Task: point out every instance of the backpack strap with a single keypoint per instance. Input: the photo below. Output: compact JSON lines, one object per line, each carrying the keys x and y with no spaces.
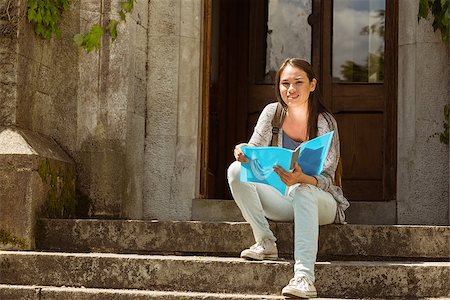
{"x":338,"y":174}
{"x":277,"y":122}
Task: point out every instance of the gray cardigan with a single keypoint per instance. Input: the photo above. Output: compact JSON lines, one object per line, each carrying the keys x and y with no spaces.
{"x":262,"y":136}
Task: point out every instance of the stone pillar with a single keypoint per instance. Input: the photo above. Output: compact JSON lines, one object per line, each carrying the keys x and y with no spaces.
{"x":422,"y":177}
{"x":37,"y":179}
{"x":111,"y":112}
{"x":173,"y":103}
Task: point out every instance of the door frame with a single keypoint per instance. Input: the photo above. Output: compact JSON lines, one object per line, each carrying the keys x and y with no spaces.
{"x":206,"y":79}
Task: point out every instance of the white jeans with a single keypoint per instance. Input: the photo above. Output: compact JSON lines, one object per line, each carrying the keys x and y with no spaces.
{"x":307,"y":205}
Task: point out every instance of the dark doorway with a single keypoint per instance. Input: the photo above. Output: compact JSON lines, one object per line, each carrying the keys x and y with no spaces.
{"x":241,"y":45}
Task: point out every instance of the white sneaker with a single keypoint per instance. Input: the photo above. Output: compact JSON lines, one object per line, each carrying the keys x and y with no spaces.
{"x":265,"y":249}
{"x":300,"y":287}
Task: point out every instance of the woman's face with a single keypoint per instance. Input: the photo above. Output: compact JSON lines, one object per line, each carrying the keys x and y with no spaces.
{"x":295,"y":86}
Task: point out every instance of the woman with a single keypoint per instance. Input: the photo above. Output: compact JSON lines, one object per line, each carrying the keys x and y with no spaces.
{"x":315,"y":200}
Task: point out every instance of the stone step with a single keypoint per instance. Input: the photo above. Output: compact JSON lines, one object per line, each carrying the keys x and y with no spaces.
{"x":13,"y":292}
{"x":221,"y":274}
{"x":358,"y":242}
{"x":10,"y":292}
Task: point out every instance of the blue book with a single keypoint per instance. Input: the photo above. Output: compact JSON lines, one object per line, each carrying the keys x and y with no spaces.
{"x":311,"y":156}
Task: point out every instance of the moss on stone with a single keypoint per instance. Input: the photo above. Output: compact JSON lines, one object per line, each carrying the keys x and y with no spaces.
{"x":7,"y":238}
{"x":60,"y":201}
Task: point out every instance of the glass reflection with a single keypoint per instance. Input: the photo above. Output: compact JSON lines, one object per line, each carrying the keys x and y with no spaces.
{"x":358,"y":40}
{"x":288,"y":34}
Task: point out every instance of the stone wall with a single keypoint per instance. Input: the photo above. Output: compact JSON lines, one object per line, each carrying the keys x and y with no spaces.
{"x":111,"y":112}
{"x":422,"y":162}
{"x":9,"y":21}
{"x":92,"y":104}
{"x":173,"y":105}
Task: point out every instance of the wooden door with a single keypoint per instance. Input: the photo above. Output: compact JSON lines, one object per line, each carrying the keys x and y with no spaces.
{"x":240,"y":83}
{"x":362,"y":95}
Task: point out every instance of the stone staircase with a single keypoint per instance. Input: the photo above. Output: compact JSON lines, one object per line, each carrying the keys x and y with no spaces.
{"x":116,"y":259}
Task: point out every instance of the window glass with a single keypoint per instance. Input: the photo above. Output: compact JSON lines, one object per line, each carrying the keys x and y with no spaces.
{"x":289,"y":34}
{"x":358,"y":40}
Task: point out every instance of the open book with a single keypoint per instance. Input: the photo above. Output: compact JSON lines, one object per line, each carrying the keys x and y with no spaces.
{"x":311,"y":156}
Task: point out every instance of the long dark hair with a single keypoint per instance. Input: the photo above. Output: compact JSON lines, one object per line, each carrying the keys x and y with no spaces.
{"x":315,"y":104}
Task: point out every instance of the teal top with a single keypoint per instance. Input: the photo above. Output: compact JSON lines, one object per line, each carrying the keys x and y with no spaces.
{"x":289,"y":143}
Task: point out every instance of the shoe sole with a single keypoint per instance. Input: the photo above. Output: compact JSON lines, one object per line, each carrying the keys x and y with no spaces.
{"x":297,"y":294}
{"x":266,"y":257}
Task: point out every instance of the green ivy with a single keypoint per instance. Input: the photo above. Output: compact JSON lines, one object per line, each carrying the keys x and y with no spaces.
{"x":91,"y":40}
{"x":7,"y":238}
{"x":60,"y":201}
{"x":45,"y":15}
{"x":440,"y":10}
{"x":126,"y":7}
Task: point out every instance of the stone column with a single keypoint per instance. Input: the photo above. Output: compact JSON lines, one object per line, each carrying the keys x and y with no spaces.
{"x":173,"y":103}
{"x":422,"y":177}
{"x":110,"y":123}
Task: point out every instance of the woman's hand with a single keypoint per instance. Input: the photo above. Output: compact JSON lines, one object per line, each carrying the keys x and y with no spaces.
{"x":296,"y":176}
{"x":290,"y":178}
{"x":238,"y":153}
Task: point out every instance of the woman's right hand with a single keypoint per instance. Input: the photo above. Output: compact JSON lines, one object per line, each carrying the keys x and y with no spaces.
{"x":238,"y":154}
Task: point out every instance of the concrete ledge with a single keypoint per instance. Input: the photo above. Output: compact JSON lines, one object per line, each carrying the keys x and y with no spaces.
{"x":36,"y":178}
{"x":9,"y":292}
{"x":381,"y":213}
{"x":22,"y":292}
{"x":67,"y":293}
{"x":212,"y":274}
{"x":230,"y":238}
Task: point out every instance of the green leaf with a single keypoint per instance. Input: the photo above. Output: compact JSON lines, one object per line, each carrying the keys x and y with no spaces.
{"x":440,"y":12}
{"x":122,"y":15}
{"x":65,"y":4}
{"x":112,"y":26}
{"x":127,"y":6}
{"x":92,"y":39}
{"x":423,"y":9}
{"x":45,"y":16}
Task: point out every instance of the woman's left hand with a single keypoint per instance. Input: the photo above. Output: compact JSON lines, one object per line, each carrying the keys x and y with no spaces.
{"x":290,"y":178}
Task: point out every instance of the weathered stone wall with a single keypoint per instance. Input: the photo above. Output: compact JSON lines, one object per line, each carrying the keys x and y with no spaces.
{"x":47,"y":80}
{"x":92,"y":104}
{"x":422,"y":165}
{"x":9,"y":20}
{"x":173,"y":102}
{"x":111,"y":112}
